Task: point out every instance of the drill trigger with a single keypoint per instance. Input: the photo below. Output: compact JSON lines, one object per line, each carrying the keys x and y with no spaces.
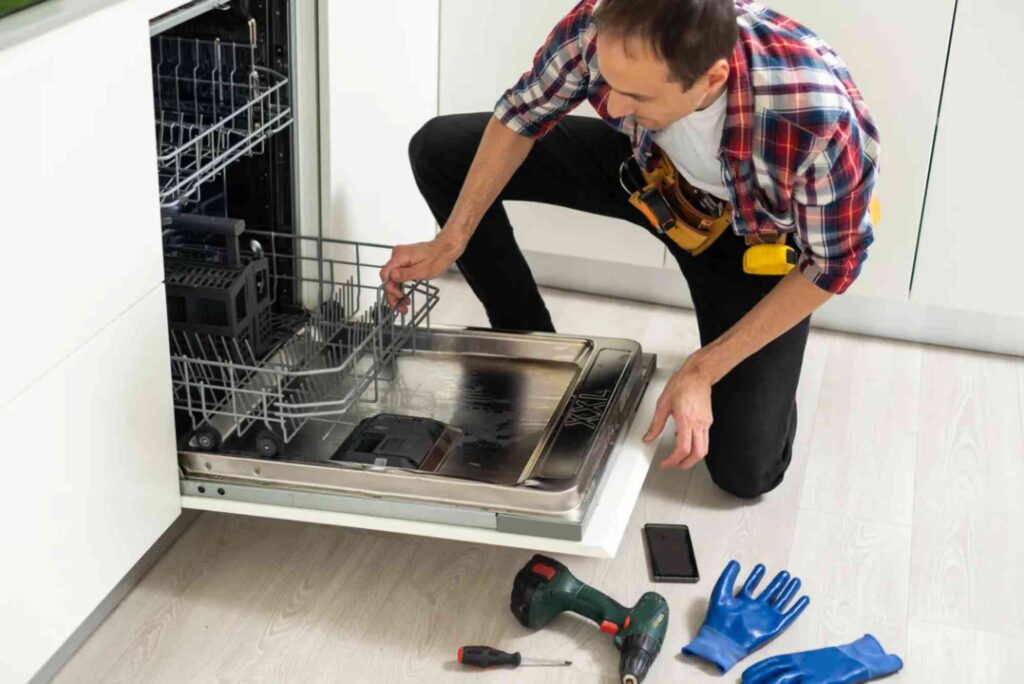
{"x":545,"y":571}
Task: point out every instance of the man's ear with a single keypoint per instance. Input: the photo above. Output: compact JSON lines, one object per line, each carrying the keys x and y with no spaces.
{"x":718,"y":74}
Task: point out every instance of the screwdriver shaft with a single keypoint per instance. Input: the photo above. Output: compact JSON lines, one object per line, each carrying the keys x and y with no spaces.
{"x":543,"y":662}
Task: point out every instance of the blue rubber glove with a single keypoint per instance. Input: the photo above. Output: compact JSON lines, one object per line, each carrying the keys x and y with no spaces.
{"x":737,"y":625}
{"x":860,"y":661}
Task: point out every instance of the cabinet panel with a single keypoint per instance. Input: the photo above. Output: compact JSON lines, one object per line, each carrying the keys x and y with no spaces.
{"x":78,"y":188}
{"x":968,"y":257}
{"x":896,"y":52}
{"x":378,"y":86}
{"x":485,"y":47}
{"x":90,"y":457}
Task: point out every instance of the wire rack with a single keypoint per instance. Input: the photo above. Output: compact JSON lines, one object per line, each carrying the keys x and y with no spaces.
{"x":329,"y":354}
{"x":214,"y":105}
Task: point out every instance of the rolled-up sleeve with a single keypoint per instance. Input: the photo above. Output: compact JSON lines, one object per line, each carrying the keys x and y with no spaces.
{"x":832,"y":197}
{"x":558,"y":80}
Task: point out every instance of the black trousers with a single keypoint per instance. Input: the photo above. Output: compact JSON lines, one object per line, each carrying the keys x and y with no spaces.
{"x":576,"y":166}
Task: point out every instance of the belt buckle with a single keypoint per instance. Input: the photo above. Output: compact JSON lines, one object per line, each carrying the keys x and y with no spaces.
{"x":660,"y":210}
{"x":630,"y":170}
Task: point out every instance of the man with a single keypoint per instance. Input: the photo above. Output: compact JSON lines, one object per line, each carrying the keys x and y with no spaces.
{"x":756,"y":113}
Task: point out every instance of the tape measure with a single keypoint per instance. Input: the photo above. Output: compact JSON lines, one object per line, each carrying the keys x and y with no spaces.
{"x":778,"y":259}
{"x":769,"y":260}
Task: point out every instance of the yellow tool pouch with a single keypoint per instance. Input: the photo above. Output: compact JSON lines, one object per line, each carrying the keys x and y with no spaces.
{"x":690,"y":218}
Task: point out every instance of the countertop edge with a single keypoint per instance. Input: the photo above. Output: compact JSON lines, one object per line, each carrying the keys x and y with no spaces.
{"x":38,"y":20}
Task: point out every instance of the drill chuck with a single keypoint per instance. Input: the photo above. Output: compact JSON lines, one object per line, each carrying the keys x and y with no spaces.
{"x":638,"y":654}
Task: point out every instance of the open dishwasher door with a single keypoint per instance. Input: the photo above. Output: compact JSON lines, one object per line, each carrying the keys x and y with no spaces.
{"x":515,"y":439}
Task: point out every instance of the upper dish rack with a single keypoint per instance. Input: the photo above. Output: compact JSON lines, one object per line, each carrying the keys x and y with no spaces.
{"x":214,"y":105}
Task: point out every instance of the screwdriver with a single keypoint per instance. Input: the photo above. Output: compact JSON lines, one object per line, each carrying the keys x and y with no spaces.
{"x":485,"y":656}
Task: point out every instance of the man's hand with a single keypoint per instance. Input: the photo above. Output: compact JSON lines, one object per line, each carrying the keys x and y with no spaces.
{"x":687,"y":398}
{"x":419,"y":261}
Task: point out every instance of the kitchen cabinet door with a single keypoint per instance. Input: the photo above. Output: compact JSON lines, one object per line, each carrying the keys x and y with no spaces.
{"x":92,"y":482}
{"x":378,"y":85}
{"x":896,"y":52}
{"x":78,"y":187}
{"x":970,"y":239}
{"x":485,"y":47}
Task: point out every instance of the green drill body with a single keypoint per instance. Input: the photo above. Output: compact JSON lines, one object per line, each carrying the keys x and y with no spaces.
{"x":544,"y":588}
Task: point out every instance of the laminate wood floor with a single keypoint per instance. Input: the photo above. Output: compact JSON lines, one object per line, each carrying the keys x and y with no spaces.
{"x":903,"y":513}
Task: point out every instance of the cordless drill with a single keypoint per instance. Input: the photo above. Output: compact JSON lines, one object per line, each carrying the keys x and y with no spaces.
{"x":544,"y":588}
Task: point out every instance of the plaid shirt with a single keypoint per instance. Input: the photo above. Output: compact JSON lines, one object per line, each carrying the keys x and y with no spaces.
{"x":799,"y":150}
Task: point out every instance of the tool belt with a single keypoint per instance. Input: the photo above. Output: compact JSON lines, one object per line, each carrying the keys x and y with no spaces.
{"x":693,"y":219}
{"x":689,"y":217}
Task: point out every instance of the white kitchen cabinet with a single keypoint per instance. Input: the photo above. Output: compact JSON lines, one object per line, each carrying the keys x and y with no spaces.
{"x":970,"y":237}
{"x":92,"y":482}
{"x":78,"y":203}
{"x":378,"y":85}
{"x":485,"y":47}
{"x":896,"y":52}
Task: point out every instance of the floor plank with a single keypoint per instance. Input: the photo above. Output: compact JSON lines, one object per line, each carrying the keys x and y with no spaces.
{"x":865,"y":435}
{"x":938,"y":654}
{"x":856,"y":573}
{"x":968,"y":552}
{"x":997,"y":658}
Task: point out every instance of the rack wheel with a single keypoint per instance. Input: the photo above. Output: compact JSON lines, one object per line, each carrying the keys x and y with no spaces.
{"x":269,"y":443}
{"x":207,"y":438}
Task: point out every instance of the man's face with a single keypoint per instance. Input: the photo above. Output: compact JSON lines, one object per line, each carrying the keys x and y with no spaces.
{"x":642,"y":85}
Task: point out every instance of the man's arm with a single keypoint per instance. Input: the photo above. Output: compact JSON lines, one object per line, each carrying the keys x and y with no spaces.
{"x":555,"y":85}
{"x":501,"y":152}
{"x":687,"y":396}
{"x":791,"y":301}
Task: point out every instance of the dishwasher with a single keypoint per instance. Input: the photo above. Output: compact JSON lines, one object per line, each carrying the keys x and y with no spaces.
{"x":294,"y":383}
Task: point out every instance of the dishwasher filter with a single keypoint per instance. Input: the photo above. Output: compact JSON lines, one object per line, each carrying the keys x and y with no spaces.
{"x":398,"y":441}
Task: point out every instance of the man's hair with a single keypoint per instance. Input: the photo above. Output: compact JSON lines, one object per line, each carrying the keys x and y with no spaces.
{"x":689,"y":35}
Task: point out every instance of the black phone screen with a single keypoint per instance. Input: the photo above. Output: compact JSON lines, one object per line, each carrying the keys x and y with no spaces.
{"x":670,"y":553}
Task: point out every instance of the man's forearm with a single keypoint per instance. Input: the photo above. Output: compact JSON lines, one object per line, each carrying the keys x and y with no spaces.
{"x":791,"y":301}
{"x":500,"y":153}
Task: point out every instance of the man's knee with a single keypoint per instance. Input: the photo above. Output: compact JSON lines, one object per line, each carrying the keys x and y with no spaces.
{"x":750,"y":458}
{"x":748,"y":470}
{"x":744,"y":484}
{"x":443,"y":141}
{"x":424,"y":142}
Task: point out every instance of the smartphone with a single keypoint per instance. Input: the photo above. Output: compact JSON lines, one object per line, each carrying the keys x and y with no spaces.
{"x":670,"y":553}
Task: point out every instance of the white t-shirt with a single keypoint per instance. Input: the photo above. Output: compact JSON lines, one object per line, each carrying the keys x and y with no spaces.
{"x":693,"y":143}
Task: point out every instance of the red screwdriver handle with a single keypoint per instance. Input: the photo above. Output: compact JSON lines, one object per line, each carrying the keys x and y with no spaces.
{"x":485,"y":656}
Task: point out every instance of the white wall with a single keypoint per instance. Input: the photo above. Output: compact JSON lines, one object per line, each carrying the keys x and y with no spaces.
{"x":379,"y":85}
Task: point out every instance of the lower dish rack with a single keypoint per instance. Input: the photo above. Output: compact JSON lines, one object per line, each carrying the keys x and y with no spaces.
{"x":323,"y":355}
